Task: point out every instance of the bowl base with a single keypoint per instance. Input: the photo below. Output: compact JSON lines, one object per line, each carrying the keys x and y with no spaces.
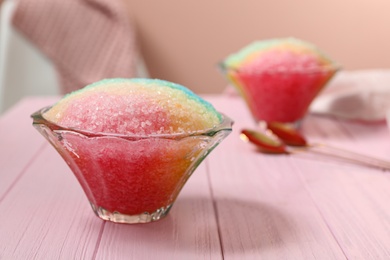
{"x":118,"y":217}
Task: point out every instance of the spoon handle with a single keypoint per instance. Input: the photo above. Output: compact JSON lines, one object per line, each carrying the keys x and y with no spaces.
{"x":345,"y":155}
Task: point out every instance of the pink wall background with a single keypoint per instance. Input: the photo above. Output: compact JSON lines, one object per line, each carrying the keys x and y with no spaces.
{"x":183,"y":40}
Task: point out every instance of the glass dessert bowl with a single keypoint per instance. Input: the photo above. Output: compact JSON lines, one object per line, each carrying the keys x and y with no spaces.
{"x":279,"y":95}
{"x":131,"y":178}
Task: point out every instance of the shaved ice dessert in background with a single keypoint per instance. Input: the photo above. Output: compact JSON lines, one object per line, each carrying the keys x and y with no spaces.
{"x":132,"y":143}
{"x":279,"y":78}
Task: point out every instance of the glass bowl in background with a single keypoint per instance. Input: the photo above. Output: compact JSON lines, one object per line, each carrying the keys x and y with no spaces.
{"x":131,"y":178}
{"x":280,"y":95}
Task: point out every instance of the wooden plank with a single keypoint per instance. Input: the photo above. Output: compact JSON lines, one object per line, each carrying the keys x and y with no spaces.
{"x":264,"y":210}
{"x":352,"y":199}
{"x":354,"y":203}
{"x":47,"y":215}
{"x":188,"y":232}
{"x":372,"y":139}
{"x":19,"y":141}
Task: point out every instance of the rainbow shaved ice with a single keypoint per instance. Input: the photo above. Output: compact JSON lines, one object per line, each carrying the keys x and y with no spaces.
{"x":279,"y":54}
{"x":279,"y":78}
{"x":134,"y":106}
{"x":133,"y":143}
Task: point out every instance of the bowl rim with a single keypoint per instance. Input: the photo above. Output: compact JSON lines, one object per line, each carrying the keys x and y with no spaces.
{"x":226,"y":124}
{"x":332,"y":67}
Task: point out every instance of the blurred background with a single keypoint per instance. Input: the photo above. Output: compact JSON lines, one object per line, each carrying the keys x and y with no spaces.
{"x":182,"y":41}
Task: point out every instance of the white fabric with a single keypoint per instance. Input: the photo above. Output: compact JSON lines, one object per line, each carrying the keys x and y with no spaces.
{"x":361,"y":94}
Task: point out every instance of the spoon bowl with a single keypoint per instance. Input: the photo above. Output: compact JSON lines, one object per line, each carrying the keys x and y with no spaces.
{"x":278,"y":135}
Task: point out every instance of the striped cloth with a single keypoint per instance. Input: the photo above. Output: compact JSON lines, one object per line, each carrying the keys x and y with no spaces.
{"x":87,"y":40}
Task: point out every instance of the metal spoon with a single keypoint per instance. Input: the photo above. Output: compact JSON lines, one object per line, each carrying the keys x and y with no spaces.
{"x":277,"y":136}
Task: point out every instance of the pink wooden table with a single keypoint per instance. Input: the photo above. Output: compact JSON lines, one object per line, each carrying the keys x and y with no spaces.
{"x":239,"y":204}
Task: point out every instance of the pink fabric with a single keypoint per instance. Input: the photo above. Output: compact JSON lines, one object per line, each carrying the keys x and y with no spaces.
{"x":87,"y":40}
